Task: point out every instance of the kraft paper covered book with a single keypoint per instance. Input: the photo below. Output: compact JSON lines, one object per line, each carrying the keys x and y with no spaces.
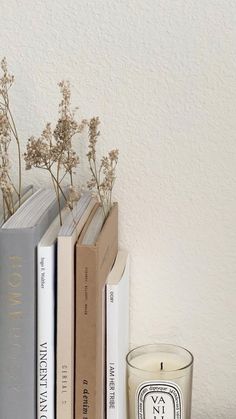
{"x":93,"y":263}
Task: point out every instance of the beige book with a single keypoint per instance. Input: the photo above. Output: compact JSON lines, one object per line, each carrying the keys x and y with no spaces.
{"x":67,"y":238}
{"x":93,"y":263}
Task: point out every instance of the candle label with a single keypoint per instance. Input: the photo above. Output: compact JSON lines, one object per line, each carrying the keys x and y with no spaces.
{"x":159,"y":400}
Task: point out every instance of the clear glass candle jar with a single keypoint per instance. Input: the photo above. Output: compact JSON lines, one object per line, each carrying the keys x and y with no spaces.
{"x":159,"y":382}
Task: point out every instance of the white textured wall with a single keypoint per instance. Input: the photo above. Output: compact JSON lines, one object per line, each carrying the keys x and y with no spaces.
{"x":162,"y":76}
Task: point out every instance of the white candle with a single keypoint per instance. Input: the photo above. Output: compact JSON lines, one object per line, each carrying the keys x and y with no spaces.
{"x":159,"y":382}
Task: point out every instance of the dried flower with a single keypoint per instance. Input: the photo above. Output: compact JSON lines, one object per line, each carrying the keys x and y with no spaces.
{"x":53,"y":150}
{"x":93,"y":137}
{"x":74,"y":194}
{"x":103,"y":177}
{"x":8,"y":133}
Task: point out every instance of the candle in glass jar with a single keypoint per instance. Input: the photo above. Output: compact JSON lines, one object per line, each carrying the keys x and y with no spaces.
{"x":159,"y":382}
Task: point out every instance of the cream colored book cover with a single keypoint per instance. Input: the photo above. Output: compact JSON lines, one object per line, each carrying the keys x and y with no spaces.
{"x":65,"y":310}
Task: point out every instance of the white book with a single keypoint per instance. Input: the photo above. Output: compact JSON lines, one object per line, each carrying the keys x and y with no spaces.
{"x":117,"y":336}
{"x":46,"y":257}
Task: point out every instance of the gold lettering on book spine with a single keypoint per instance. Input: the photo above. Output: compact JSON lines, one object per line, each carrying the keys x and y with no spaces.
{"x":15,"y":312}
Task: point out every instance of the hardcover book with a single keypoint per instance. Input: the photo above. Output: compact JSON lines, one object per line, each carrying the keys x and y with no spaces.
{"x":26,"y":193}
{"x":94,"y":260}
{"x":68,"y":234}
{"x":19,"y":237}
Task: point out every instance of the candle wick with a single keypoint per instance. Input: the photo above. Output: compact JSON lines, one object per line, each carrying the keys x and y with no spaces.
{"x":162,"y":366}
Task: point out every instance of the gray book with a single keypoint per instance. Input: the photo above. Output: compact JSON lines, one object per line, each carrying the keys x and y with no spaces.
{"x":27,"y":192}
{"x":19,"y":237}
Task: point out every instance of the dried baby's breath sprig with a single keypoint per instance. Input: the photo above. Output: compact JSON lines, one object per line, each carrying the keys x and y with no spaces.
{"x":103,"y":176}
{"x":8,"y":132}
{"x":74,"y":194}
{"x":53,"y":150}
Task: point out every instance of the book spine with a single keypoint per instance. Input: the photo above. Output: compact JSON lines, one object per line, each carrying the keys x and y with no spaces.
{"x":46,"y":332}
{"x":123,"y":339}
{"x":86,"y":334}
{"x":65,"y":330}
{"x":17,"y":324}
{"x":112,"y":356}
{"x":117,"y":342}
{"x":93,"y":263}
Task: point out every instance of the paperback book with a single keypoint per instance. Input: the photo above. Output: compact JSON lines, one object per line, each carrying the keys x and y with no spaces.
{"x":117,"y":336}
{"x":94,"y":260}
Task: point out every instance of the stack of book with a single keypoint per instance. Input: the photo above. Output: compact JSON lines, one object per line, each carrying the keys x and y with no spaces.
{"x":64,"y":312}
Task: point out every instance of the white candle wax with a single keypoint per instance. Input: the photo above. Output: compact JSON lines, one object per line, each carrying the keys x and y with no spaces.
{"x":159,"y":386}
